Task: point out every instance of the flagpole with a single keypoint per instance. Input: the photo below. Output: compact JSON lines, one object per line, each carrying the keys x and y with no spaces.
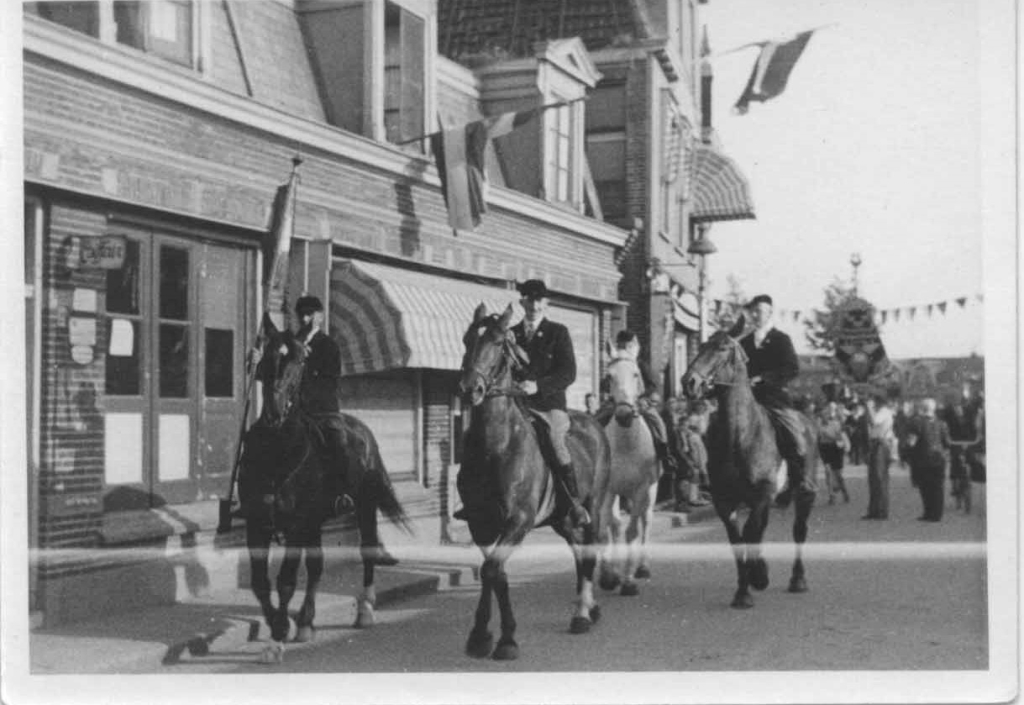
{"x":761,"y":44}
{"x":542,"y":108}
{"x":281,"y":221}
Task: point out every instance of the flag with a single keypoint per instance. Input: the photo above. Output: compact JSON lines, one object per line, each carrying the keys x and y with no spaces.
{"x":460,"y":163}
{"x":771,"y":70}
{"x":278,"y":245}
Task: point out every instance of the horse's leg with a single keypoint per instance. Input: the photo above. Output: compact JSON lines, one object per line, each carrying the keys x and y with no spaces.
{"x":753,"y":533}
{"x":804,"y":503}
{"x":585,"y":556}
{"x":481,"y":641}
{"x":727,"y":513}
{"x":367,"y":600}
{"x":643,"y":571}
{"x":287,"y":580}
{"x":629,"y":586}
{"x":507,"y":649}
{"x":610,"y":528}
{"x":369,"y":546}
{"x":257,"y":539}
{"x":314,"y":571}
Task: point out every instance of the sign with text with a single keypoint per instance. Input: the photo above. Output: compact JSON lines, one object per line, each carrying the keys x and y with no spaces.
{"x":105,"y":252}
{"x":859,"y":349}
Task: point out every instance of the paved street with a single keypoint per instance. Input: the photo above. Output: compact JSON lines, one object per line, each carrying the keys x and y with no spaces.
{"x":884,"y":595}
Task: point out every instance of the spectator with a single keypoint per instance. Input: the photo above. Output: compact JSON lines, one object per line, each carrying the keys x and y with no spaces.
{"x":881,"y":442}
{"x":928,"y":440}
{"x":901,"y":427}
{"x":592,"y":403}
{"x":832,"y":445}
{"x":961,"y":421}
{"x":693,"y":468}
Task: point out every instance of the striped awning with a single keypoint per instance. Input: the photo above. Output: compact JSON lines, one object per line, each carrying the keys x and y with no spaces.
{"x":385,"y":317}
{"x":720,"y":190}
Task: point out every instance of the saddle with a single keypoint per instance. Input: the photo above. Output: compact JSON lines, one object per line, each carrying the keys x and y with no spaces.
{"x":543,"y":430}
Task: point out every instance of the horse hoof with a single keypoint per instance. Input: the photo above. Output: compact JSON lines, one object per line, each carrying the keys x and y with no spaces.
{"x":272,"y":653}
{"x":595,"y":614}
{"x":609,"y":581}
{"x":507,"y":650}
{"x":197,"y":646}
{"x":797,"y":584}
{"x":742,"y":601}
{"x":581,"y":625}
{"x":758,"y":574}
{"x":629,"y":590}
{"x":365,"y":619}
{"x":281,"y":628}
{"x":643,"y":573}
{"x":479,"y":645}
{"x":304,"y":634}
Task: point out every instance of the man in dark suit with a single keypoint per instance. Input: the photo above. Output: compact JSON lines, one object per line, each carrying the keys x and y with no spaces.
{"x":552,"y":368}
{"x":771,"y":365}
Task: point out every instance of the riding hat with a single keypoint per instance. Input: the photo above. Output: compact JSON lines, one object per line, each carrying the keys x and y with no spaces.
{"x":533,"y":289}
{"x":761,"y":299}
{"x":308,"y":304}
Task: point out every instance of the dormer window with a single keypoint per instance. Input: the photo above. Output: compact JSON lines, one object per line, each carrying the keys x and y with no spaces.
{"x":559,"y":150}
{"x":164,"y":28}
{"x":374,"y":83}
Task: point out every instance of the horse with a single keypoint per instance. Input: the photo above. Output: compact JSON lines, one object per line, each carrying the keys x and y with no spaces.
{"x":633,"y":482}
{"x":506,"y":488}
{"x":744,"y":459}
{"x":282,"y":494}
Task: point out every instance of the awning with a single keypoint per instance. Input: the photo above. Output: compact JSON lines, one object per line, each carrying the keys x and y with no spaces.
{"x":385,"y":317}
{"x":686,"y":311}
{"x":720,"y":190}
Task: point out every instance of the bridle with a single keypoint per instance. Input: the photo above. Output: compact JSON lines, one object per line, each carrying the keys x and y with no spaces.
{"x":509,"y":363}
{"x":709,"y":378}
{"x":632,"y":406}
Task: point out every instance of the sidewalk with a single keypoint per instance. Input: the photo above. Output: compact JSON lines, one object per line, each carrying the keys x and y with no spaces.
{"x":224,"y":621}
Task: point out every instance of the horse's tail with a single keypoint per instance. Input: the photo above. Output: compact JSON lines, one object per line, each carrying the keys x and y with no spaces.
{"x":387,"y":501}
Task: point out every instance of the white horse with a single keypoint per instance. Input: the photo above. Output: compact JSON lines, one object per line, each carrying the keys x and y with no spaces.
{"x":632,"y":484}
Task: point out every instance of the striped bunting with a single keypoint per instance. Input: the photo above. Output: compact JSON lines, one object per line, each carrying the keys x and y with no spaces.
{"x":720,"y":191}
{"x":385,"y":318}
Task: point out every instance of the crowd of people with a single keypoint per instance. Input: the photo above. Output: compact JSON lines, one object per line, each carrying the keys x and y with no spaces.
{"x":932,"y":441}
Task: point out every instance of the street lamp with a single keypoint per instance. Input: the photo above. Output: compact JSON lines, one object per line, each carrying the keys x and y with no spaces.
{"x":702,"y":247}
{"x":855,"y":260}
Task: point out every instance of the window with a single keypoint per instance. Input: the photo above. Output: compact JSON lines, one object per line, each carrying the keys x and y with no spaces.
{"x":559,"y":154}
{"x":606,"y":149}
{"x":164,"y":28}
{"x":123,"y":373}
{"x":404,"y":75}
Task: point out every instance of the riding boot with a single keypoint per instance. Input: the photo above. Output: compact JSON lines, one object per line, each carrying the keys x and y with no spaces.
{"x":796,"y":479}
{"x":567,"y":482}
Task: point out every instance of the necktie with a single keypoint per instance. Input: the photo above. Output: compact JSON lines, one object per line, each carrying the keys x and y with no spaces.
{"x":530,"y":329}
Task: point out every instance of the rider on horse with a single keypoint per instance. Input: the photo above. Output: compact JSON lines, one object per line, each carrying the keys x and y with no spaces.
{"x":551,"y":369}
{"x":628,"y":345}
{"x":771,"y":364}
{"x":318,"y":397}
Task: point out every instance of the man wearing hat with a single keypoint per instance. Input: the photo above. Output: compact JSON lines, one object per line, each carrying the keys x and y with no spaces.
{"x":771,"y":365}
{"x":552,"y":368}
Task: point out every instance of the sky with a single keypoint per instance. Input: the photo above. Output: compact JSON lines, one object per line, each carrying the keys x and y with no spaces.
{"x":873,"y":148}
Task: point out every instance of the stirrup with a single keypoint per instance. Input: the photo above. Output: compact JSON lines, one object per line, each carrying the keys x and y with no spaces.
{"x":579,"y":515}
{"x":343,"y":504}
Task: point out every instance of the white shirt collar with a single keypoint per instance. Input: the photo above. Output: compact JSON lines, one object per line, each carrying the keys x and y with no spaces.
{"x":761,"y":333}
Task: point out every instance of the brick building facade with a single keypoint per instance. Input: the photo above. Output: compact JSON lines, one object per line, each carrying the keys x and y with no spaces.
{"x":156,"y":134}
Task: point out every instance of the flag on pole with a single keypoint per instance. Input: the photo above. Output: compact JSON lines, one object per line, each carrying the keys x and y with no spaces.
{"x":771,"y":70}
{"x":460,"y":163}
{"x":278,"y":245}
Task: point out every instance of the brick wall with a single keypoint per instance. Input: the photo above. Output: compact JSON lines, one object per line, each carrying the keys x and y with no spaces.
{"x":438,"y":388}
{"x":91,"y":135}
{"x":72,"y":462}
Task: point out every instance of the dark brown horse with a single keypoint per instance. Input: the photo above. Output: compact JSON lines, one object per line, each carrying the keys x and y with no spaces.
{"x":506,"y":487}
{"x":743,"y":459}
{"x":281,"y":488}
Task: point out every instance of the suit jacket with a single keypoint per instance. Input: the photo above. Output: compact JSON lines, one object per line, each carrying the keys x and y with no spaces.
{"x":775,"y":362}
{"x":319,"y":389}
{"x":552,"y":363}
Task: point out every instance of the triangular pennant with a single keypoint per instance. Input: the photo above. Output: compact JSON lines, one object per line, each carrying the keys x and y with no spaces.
{"x":912,"y":311}
{"x":895,"y":314}
{"x":962,"y":301}
{"x":931,"y":307}
{"x":942,"y":307}
{"x":884,"y":315}
{"x":796,"y":316}
{"x":980,"y":297}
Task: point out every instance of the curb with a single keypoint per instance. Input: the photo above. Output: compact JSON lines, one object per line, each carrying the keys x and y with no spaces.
{"x":333,"y":609}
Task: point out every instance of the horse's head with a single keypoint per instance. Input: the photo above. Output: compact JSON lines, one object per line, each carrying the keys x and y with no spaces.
{"x":491,"y":354}
{"x":281,"y":369}
{"x":625,"y":385}
{"x":720,"y":361}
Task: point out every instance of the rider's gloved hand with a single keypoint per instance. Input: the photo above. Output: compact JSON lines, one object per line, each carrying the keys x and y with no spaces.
{"x":255,"y":355}
{"x":756,"y":380}
{"x":528,"y":387}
